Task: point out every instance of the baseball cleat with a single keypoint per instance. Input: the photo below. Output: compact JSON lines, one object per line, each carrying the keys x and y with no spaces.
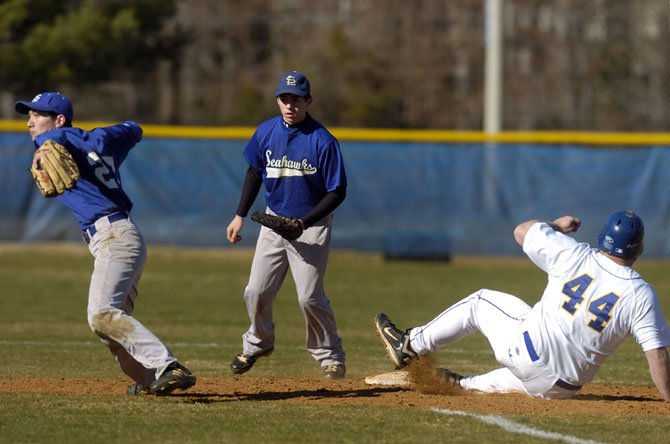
{"x":138,"y":389}
{"x":242,"y":363}
{"x":176,"y":376}
{"x":334,"y":371}
{"x":395,"y":341}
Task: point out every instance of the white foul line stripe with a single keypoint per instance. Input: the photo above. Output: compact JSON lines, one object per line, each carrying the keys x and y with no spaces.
{"x":515,"y":427}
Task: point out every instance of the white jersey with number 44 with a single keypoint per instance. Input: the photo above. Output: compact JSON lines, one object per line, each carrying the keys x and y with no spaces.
{"x":590,"y":305}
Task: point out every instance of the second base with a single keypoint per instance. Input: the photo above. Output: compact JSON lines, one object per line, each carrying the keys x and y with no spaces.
{"x":391,"y":378}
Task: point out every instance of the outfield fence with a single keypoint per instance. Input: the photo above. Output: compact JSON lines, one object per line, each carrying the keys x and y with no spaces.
{"x":411,"y":193}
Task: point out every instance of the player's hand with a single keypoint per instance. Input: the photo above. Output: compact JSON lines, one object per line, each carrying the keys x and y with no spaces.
{"x":567,"y":224}
{"x":234,"y":228}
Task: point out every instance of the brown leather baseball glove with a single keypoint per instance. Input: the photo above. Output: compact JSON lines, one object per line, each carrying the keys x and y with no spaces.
{"x":53,"y":169}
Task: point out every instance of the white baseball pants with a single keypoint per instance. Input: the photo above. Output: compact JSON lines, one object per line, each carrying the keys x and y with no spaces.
{"x":500,"y":317}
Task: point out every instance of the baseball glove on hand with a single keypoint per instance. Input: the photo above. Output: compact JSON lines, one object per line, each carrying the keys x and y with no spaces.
{"x":290,"y":228}
{"x":53,"y":169}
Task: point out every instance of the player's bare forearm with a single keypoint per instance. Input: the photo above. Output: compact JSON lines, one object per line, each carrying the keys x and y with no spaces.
{"x":566,"y":224}
{"x":659,"y":367}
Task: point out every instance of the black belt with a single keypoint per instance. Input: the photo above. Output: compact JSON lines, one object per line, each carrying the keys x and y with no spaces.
{"x":90,"y":232}
{"x":534,"y":357}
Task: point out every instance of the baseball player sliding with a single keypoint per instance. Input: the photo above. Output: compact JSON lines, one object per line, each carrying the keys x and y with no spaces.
{"x":81,"y":169}
{"x":592,"y":302}
{"x":301,"y":166}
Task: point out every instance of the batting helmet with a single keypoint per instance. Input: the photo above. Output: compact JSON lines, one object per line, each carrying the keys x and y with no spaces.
{"x":622,"y":235}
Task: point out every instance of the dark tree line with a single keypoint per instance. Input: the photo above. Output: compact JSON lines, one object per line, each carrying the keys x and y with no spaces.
{"x":601,"y":65}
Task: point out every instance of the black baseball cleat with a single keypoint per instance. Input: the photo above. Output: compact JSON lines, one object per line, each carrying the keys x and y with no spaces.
{"x":395,"y":341}
{"x":242,"y":363}
{"x":176,"y":376}
{"x":334,"y":371}
{"x":138,"y":389}
{"x":448,"y":377}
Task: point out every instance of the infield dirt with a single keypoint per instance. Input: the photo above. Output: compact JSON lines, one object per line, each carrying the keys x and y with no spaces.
{"x":612,"y":400}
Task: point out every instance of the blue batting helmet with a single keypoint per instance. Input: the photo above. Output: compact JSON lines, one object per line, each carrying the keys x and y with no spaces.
{"x":622,"y":235}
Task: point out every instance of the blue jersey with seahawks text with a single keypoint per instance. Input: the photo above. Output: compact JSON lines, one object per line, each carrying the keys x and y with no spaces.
{"x":300,"y":164}
{"x":98,"y":154}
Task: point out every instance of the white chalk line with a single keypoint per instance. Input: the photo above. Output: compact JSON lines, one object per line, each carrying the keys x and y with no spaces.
{"x":515,"y":427}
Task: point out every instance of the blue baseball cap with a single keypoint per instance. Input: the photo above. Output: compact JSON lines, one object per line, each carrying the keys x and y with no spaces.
{"x":293,"y":82}
{"x":51,"y":102}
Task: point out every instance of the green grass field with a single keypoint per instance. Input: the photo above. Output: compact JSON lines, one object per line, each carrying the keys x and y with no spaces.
{"x":192,"y":300}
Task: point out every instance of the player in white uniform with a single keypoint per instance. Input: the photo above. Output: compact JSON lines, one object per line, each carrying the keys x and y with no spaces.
{"x":592,"y":302}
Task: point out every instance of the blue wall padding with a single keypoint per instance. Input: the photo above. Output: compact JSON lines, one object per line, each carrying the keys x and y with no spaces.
{"x":403,"y":199}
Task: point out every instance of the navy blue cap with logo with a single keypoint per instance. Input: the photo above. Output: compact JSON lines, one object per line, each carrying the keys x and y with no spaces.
{"x":51,"y":102}
{"x":293,"y":82}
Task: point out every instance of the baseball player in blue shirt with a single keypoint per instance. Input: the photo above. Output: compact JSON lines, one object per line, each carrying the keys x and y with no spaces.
{"x":301,"y":166}
{"x":102,"y":209}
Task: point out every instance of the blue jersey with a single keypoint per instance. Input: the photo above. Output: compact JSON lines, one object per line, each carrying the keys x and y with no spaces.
{"x":98,"y":154}
{"x":300,"y":164}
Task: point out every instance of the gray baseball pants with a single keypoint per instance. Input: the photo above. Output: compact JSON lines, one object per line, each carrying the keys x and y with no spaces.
{"x":307,"y":258}
{"x":120,"y":253}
